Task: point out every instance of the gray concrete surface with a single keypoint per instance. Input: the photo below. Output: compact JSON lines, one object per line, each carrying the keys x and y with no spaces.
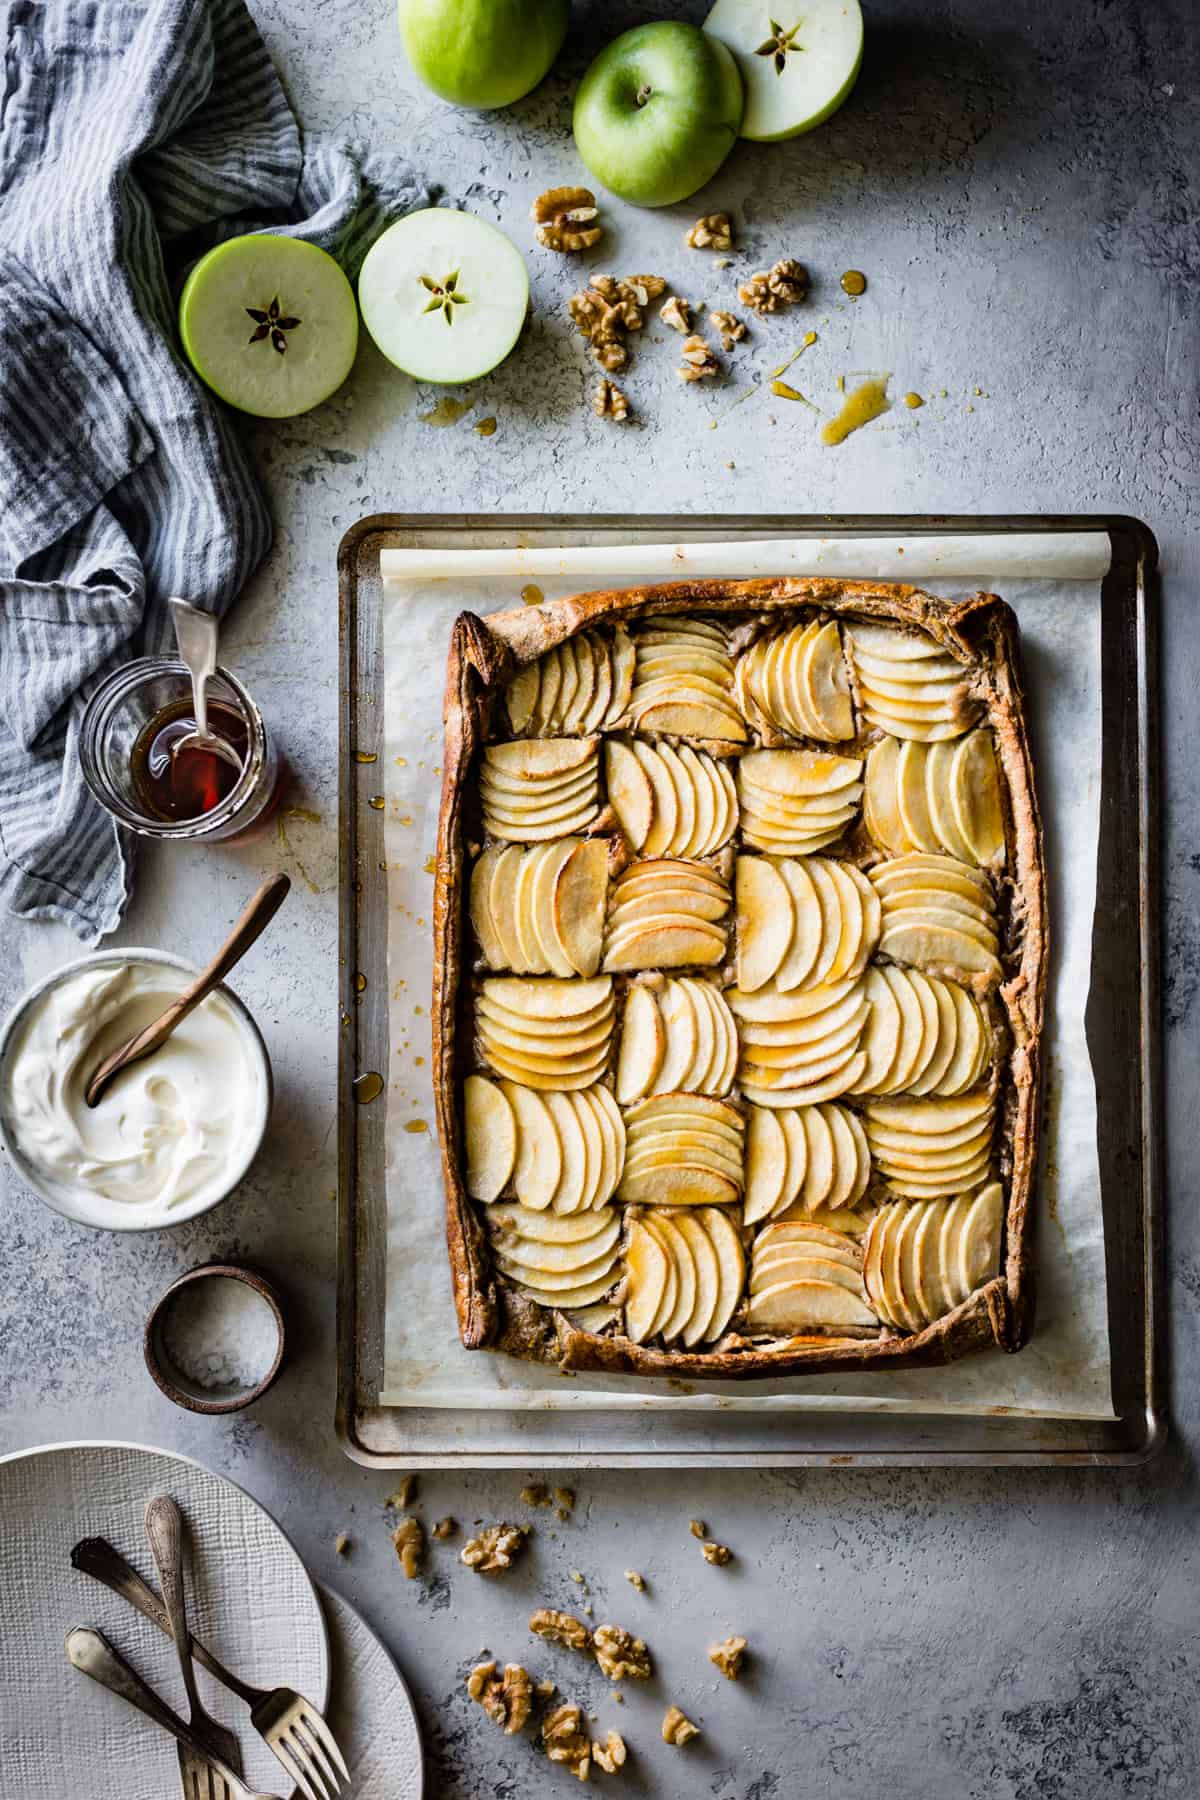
{"x":1019,"y":183}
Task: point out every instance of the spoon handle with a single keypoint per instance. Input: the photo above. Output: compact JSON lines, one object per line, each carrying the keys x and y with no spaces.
{"x":196,"y":638}
{"x":253,"y":922}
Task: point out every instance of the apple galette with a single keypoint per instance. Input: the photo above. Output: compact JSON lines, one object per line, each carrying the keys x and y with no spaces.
{"x":739,"y":977}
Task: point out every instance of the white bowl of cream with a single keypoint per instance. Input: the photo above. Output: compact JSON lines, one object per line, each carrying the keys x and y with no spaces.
{"x":174,"y":1133}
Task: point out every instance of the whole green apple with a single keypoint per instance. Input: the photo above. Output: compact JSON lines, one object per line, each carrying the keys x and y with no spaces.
{"x":658,"y":112}
{"x":482,"y":53}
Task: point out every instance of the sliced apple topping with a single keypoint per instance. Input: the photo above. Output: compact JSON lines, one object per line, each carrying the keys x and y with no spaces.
{"x":802,"y":1047}
{"x":806,"y":1277}
{"x":797,"y":681}
{"x":534,"y":789}
{"x":682,"y":1150}
{"x":803,"y":922}
{"x":683,"y":681}
{"x":795,"y":801}
{"x":939,"y":914}
{"x":546,"y":1033}
{"x":937,"y":797}
{"x":670,"y":802}
{"x":676,"y":1037}
{"x":925,"y":1035}
{"x":923,"y":1260}
{"x":553,"y":1150}
{"x":684,"y":1274}
{"x":804,"y":1160}
{"x":558,"y":1262}
{"x":907,"y":685}
{"x":580,"y":686}
{"x":540,"y":911}
{"x":928,"y":1148}
{"x":667,"y":914}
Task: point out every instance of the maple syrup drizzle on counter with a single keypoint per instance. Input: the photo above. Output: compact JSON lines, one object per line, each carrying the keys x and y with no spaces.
{"x":179,"y":784}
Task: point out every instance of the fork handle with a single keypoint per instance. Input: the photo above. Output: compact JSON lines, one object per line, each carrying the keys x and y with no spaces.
{"x":90,"y":1652}
{"x":164,"y":1534}
{"x":96,"y":1557}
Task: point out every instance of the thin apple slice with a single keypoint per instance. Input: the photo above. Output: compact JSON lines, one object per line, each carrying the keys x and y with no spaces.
{"x":820,"y":1168}
{"x":908,"y":1265}
{"x":898,"y":726}
{"x":549,"y":998}
{"x":490,"y":1133}
{"x":491,"y":947}
{"x":696,"y":1149}
{"x":831,"y":1243}
{"x":796,"y":1306}
{"x":571,"y":1193}
{"x":676,"y":1243}
{"x":550,"y":1282}
{"x":543,"y":1256}
{"x":643,"y":1045}
{"x":911,"y":797}
{"x":731,"y":1267}
{"x":975,"y":797}
{"x":970,"y":1034}
{"x":629,"y":791}
{"x":796,"y":970}
{"x":698,"y":1325}
{"x":882,"y":1036}
{"x":934,"y":683}
{"x":534,"y":903}
{"x":591,"y":1107}
{"x":522,"y":831}
{"x":545,"y":1081}
{"x":571,"y":1299}
{"x":520,"y":1222}
{"x":723,"y":1078}
{"x":624,"y":658}
{"x":517,"y":792}
{"x":587,"y":1041}
{"x":682,"y":1029}
{"x":664,"y":806}
{"x":593,"y":1154}
{"x":918,"y":903}
{"x":892,"y":1266}
{"x":675,"y":944}
{"x":704,"y":1074}
{"x":538,"y":759}
{"x":770,"y":1006}
{"x":944,"y":1033}
{"x":568,"y":687}
{"x":504,"y":1019}
{"x":939,"y":1189}
{"x":930,"y":1118}
{"x":593,"y":717}
{"x":924,"y":1162}
{"x":844,"y":1189}
{"x":939,"y":770}
{"x":799,"y":773}
{"x":938,"y":948}
{"x":684,"y":719}
{"x":825,"y":684}
{"x":881,"y":800}
{"x":685,"y":1185}
{"x":766,"y":1166}
{"x":521,"y":695}
{"x":922,"y":991}
{"x":852,"y":923}
{"x":898,"y":869}
{"x":664,"y":899}
{"x":538,"y":1163}
{"x":702,"y":838}
{"x":803,"y":1263}
{"x":764,"y":921}
{"x":504,"y":872}
{"x":585,"y":684}
{"x":651,"y":877}
{"x":842,"y":1081}
{"x":819,"y":870}
{"x":931,"y":1297}
{"x":666,"y":1305}
{"x":890,"y":644}
{"x":646,"y":1267}
{"x":874,"y":1245}
{"x":719,"y":1113}
{"x":577,"y":906}
{"x":979,"y":1244}
{"x":792,"y":1121}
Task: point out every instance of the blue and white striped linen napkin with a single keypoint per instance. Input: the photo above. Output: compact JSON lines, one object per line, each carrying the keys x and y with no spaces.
{"x":133,"y":135}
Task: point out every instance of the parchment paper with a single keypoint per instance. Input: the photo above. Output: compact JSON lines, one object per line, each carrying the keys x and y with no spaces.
{"x":1053,"y":583}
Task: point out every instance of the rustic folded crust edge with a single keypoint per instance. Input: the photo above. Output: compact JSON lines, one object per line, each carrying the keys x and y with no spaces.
{"x":483,"y":656}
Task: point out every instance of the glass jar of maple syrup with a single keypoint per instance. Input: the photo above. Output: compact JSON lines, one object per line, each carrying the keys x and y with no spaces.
{"x":135,"y":759}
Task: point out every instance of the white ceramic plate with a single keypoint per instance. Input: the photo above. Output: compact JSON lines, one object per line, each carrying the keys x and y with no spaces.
{"x":371,"y":1714}
{"x":250,"y":1598}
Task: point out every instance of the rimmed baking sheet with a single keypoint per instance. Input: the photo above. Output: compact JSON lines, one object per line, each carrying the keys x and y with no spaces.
{"x":924,"y":553}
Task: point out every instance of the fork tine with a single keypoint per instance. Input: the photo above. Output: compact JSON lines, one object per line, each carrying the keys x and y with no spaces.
{"x":312,"y":1767}
{"x":314,"y":1723}
{"x":315,"y":1752}
{"x":295,"y":1768}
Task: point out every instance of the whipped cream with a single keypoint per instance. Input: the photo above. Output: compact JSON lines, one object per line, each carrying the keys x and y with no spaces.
{"x":172,"y":1134}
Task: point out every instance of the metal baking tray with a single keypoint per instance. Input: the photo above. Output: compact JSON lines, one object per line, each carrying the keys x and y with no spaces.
{"x":1123,"y":1023}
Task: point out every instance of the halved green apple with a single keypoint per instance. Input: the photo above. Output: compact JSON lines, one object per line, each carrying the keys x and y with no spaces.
{"x":797,"y":64}
{"x":444,"y":295}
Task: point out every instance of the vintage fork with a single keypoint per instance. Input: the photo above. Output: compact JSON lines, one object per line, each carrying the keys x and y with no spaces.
{"x":294,"y":1730}
{"x":90,"y":1652}
{"x":164,"y":1534}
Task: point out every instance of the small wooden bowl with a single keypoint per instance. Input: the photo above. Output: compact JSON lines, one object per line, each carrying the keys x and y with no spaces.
{"x":172,"y":1380}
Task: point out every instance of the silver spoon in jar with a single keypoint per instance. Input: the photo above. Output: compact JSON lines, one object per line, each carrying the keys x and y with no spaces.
{"x":196,"y":639}
{"x":253,"y":922}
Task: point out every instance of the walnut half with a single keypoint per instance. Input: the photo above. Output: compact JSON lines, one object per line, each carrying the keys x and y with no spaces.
{"x":620,"y":1654}
{"x":676,"y":313}
{"x":699,"y":360}
{"x":785,"y":283}
{"x":496,"y":1547}
{"x":610,"y":1755}
{"x":566,"y":1741}
{"x":608,"y":402}
{"x":731,"y":328}
{"x":727,"y":1656}
{"x":717,"y":1554}
{"x":677,"y":1728}
{"x":561,"y":1628}
{"x":565,"y":219}
{"x":507,"y":1698}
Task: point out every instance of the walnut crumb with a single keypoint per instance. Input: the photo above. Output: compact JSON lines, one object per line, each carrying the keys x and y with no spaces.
{"x":713,"y":232}
{"x":716,"y":1553}
{"x":495,"y":1547}
{"x":409,"y":1541}
{"x":445,"y":1528}
{"x":565,"y":1740}
{"x":506,"y":1699}
{"x":608,"y":402}
{"x":636,"y":1580}
{"x":698,"y":1528}
{"x":610,"y":1755}
{"x":565,"y":219}
{"x":536,"y":1494}
{"x":545,"y":1690}
{"x":677,"y":1728}
{"x":699,"y":360}
{"x":785,"y":283}
{"x":561,"y":1628}
{"x":731,"y":328}
{"x":727,"y":1656}
{"x":404,"y":1495}
{"x":565,"y":1497}
{"x":676,"y":313}
{"x":341,"y":1543}
{"x":620,"y":1655}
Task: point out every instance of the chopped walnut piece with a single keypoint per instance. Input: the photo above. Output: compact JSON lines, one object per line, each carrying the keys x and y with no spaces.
{"x":445,"y":1528}
{"x":676,"y":313}
{"x":405,"y":1494}
{"x":601,"y":324}
{"x":620,"y":1655}
{"x":636,"y":1580}
{"x":536,"y":1494}
{"x":698,"y":1528}
{"x":713,"y":232}
{"x":619,"y":295}
{"x":409,"y":1541}
{"x":565,"y":1497}
{"x":565,"y":218}
{"x":561,"y":1628}
{"x":677,"y":1728}
{"x":341,"y":1543}
{"x":566,"y":1741}
{"x":642,"y":289}
{"x":506,"y":1699}
{"x":727,"y":1656}
{"x":699,"y":361}
{"x":608,"y":402}
{"x":496,"y":1547}
{"x":716,"y":1553}
{"x":731,"y":328}
{"x":783,"y":284}
{"x":610,"y":1755}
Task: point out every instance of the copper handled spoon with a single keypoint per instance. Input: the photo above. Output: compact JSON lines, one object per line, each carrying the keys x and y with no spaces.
{"x":249,"y":928}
